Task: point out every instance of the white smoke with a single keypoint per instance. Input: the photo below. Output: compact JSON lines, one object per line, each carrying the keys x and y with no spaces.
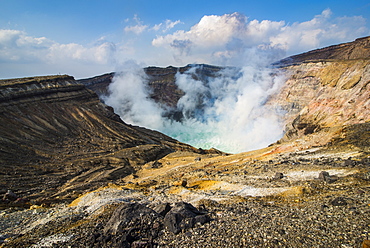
{"x":227,"y":112}
{"x":129,"y":96}
{"x":234,"y":117}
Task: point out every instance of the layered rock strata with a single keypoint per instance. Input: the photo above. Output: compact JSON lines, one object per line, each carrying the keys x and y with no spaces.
{"x":56,"y":137}
{"x":325,"y":94}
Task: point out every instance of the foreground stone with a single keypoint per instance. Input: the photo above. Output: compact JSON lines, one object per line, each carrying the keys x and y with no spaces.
{"x":184,"y":216}
{"x":131,"y":223}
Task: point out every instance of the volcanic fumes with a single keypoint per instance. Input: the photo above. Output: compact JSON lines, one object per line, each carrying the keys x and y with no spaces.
{"x":225,"y":109}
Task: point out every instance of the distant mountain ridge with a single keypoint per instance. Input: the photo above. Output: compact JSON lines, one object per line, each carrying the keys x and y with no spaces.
{"x":358,"y":49}
{"x":162,"y":80}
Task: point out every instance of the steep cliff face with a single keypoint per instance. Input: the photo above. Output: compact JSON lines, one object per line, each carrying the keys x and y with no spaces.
{"x":56,"y":129}
{"x":327,"y":94}
{"x":323,"y":99}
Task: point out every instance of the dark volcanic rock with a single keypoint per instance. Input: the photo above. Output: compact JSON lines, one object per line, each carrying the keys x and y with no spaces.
{"x":162,"y":208}
{"x":99,"y":84}
{"x":183,"y":216}
{"x":324,"y":176}
{"x":132,"y":225}
{"x":10,"y":196}
{"x":339,"y":201}
{"x":136,"y":225}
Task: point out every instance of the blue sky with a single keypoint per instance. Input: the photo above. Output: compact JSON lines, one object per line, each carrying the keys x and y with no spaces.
{"x":84,"y":38}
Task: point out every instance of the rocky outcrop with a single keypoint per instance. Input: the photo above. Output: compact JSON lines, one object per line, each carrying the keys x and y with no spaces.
{"x":325,"y":99}
{"x":328,"y":101}
{"x":324,"y":95}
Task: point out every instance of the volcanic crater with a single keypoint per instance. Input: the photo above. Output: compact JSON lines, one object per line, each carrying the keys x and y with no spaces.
{"x":74,"y":174}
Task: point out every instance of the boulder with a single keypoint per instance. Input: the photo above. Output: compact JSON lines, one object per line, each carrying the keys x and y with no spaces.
{"x":349,"y":163}
{"x":183,"y":216}
{"x":10,"y":196}
{"x":366,"y":244}
{"x":132,"y":224}
{"x":324,"y":176}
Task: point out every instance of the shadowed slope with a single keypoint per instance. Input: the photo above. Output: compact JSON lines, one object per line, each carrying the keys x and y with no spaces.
{"x":53,"y":129}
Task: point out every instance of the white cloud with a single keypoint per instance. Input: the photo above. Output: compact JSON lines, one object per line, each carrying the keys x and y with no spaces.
{"x":156,"y":27}
{"x":210,"y":31}
{"x":170,"y":25}
{"x":100,"y":54}
{"x":321,"y":31}
{"x":17,"y":48}
{"x":138,"y":28}
{"x":226,"y":38}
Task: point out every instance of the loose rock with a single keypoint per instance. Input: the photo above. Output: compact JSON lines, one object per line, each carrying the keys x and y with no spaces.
{"x":278,"y":176}
{"x":339,"y":201}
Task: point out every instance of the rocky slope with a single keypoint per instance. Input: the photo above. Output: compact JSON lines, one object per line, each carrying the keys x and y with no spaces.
{"x":310,"y":189}
{"x":326,"y":100}
{"x":55,"y":130}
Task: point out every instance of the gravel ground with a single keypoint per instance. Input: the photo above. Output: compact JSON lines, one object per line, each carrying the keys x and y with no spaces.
{"x":272,"y":224}
{"x":327,"y":214}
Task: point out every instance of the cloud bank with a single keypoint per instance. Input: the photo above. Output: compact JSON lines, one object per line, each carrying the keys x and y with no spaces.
{"x":17,"y":48}
{"x":216,"y":39}
{"x":225,"y":39}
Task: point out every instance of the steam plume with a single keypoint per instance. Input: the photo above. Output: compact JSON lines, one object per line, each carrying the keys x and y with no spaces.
{"x":227,"y":112}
